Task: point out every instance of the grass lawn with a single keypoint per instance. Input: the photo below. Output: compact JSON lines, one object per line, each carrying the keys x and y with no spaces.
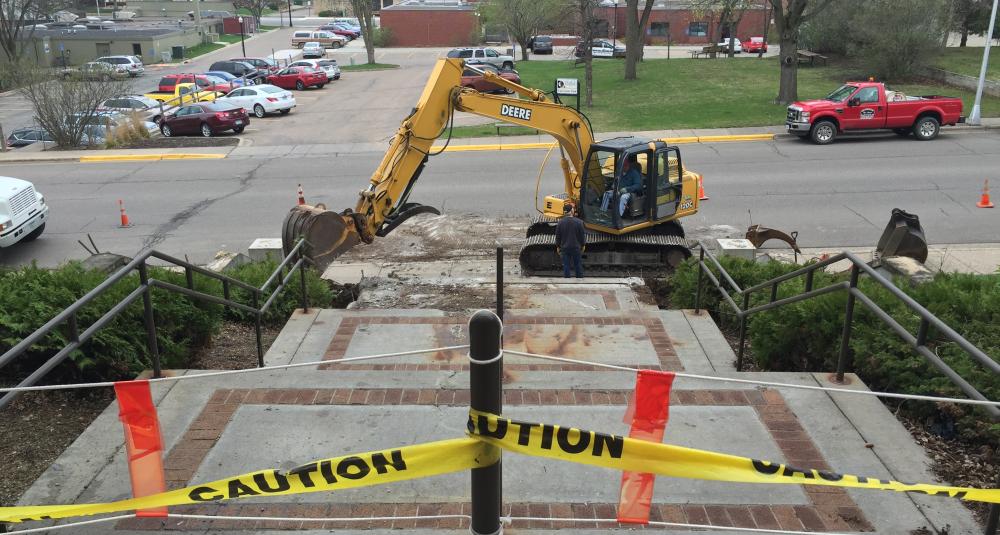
{"x":369,"y":67}
{"x":226,"y":38}
{"x":263,"y":28}
{"x":968,"y":60}
{"x":203,"y":48}
{"x":246,"y":12}
{"x":685,"y":93}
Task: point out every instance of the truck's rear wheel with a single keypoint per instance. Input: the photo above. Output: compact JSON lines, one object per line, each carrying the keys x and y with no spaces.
{"x":823,"y":132}
{"x":926,"y":128}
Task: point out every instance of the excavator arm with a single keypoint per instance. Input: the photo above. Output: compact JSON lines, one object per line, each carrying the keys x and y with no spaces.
{"x":383,"y":205}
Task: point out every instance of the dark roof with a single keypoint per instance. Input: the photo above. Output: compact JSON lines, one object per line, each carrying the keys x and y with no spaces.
{"x":620,"y":143}
{"x":430,"y":5}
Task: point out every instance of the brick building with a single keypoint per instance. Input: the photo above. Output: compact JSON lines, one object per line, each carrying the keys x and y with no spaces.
{"x":431,"y":23}
{"x":678,"y":21}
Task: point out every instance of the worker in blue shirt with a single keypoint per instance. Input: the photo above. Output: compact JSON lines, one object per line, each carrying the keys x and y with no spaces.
{"x":631,"y":181}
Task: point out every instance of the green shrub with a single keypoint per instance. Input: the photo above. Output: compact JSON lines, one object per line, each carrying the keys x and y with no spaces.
{"x":256,"y":273}
{"x":806,"y":336}
{"x":328,"y":13}
{"x":382,"y":37}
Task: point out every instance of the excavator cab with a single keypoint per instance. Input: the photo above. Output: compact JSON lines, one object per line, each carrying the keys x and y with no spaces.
{"x":629,"y":185}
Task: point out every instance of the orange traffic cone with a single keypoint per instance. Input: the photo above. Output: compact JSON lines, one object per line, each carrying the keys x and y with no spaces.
{"x":125,"y":222}
{"x":984,"y":201}
{"x":302,"y":196}
{"x":701,"y":189}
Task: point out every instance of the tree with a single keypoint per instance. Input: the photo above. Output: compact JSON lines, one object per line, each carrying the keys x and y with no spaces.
{"x":56,"y":99}
{"x":585,"y":23}
{"x":635,"y":29}
{"x":898,"y":50}
{"x":522,"y":19}
{"x":970,"y":17}
{"x":255,"y":7}
{"x":789,"y":16}
{"x":725,"y":14}
{"x":15,"y":31}
{"x":363,"y":11}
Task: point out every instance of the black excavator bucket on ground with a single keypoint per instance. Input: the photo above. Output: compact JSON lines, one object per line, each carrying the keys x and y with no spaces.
{"x":903,"y":236}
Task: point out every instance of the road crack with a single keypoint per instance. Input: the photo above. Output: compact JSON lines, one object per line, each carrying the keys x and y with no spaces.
{"x":861,"y":216}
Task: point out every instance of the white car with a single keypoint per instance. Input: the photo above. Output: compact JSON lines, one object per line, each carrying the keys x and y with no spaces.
{"x":22,"y":211}
{"x":737,"y":45}
{"x":313,"y":49}
{"x":149,"y":108}
{"x":132,"y":64}
{"x":260,"y":99}
{"x":329,"y":66}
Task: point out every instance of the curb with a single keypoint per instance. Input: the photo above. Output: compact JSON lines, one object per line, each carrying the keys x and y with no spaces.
{"x":675,"y":140}
{"x":149,"y":157}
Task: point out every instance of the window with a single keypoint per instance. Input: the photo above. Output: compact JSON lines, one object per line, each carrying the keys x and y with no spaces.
{"x":659,"y":29}
{"x":597,"y":190}
{"x":136,"y":49}
{"x":480,"y":54}
{"x":465,"y":53}
{"x":490,"y":53}
{"x":868,"y":95}
{"x":697,"y":29}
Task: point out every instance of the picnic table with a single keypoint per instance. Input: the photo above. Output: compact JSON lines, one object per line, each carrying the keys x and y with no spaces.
{"x":805,"y":56}
{"x":710,"y":51}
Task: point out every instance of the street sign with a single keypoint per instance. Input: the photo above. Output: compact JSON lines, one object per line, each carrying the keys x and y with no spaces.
{"x":567,"y":86}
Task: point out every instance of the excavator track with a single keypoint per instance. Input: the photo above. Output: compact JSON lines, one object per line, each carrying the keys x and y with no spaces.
{"x":655,"y":250}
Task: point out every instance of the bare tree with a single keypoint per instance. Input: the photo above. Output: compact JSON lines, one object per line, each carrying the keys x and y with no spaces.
{"x":523,"y":19}
{"x":586,"y":27}
{"x":789,"y":15}
{"x":363,"y":11}
{"x":725,"y":14}
{"x":635,"y":29}
{"x":255,"y":7}
{"x":66,"y":106}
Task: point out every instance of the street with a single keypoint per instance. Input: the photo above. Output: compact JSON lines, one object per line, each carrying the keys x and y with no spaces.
{"x":837,"y":195}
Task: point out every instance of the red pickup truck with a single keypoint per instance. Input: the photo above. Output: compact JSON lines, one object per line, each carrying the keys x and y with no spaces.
{"x":870,"y":106}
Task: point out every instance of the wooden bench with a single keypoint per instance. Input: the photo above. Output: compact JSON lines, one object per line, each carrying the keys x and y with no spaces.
{"x":710,"y":51}
{"x":807,"y":57}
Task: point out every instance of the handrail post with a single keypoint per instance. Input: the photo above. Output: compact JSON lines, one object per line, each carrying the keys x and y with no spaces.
{"x":256,"y":328}
{"x":809,"y":281}
{"x":845,"y":339}
{"x":992,"y":519}
{"x":74,"y":328}
{"x":189,"y":277}
{"x":147,"y":314}
{"x":743,"y":331}
{"x":500,"y":282}
{"x":701,"y":266}
{"x":302,"y":284}
{"x":486,"y":395}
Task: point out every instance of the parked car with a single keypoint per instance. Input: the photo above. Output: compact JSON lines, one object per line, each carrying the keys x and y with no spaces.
{"x":226,"y":77}
{"x":96,"y":70}
{"x":261,"y":99}
{"x":474,"y":79}
{"x":737,"y":45}
{"x":204,"y":82}
{"x":239,"y":69}
{"x":298,"y":78}
{"x":755,"y":45}
{"x":483,"y":55}
{"x":312,"y":49}
{"x":261,"y":64}
{"x":23,"y":137}
{"x":183,"y":93}
{"x":329,"y":66}
{"x":870,"y":106}
{"x":599,"y":48}
{"x":337,"y":29}
{"x":327,"y":39}
{"x":149,"y":108}
{"x":22,"y":211}
{"x":207,"y":119}
{"x":540,"y":44}
{"x":132,"y":64}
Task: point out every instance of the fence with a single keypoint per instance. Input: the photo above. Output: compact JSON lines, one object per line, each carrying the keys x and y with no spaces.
{"x":139,"y":264}
{"x":916,"y":341}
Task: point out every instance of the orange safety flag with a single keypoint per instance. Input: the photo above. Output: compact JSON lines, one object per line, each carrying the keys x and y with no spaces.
{"x":142,"y":441}
{"x":648,"y":412}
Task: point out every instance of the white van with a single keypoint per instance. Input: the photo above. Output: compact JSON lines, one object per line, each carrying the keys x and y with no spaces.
{"x":22,"y":211}
{"x":327,"y":39}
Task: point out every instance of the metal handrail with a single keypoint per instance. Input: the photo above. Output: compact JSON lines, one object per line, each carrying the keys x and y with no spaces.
{"x":858,"y":267}
{"x":139,"y":264}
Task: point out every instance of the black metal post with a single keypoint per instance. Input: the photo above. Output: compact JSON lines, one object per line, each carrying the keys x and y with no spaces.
{"x":743,"y":332}
{"x":147,"y":313}
{"x":809,"y":281}
{"x":189,"y":277}
{"x":486,"y":394}
{"x":256,"y":328}
{"x":74,"y":329}
{"x":992,"y":519}
{"x":242,"y":40}
{"x":289,"y":13}
{"x":697,"y":295}
{"x":500,"y":282}
{"x":845,"y":339}
{"x":302,"y":283}
{"x":774,"y":293}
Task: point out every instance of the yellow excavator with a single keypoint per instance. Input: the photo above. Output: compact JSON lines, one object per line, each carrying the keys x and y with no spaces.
{"x":627,"y":231}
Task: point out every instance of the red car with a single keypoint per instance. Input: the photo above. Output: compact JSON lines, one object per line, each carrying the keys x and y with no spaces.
{"x":870,"y":106}
{"x":205,"y":83}
{"x":755,"y":45}
{"x":477,"y":81}
{"x":205,"y":118}
{"x":298,"y":78}
{"x":337,"y":30}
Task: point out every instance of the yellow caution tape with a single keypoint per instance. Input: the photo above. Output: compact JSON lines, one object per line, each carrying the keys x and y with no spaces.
{"x":626,"y":454}
{"x":337,"y":473}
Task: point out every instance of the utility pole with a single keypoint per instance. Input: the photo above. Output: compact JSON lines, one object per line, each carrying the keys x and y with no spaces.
{"x":242,"y":41}
{"x":974,"y":117}
{"x":289,"y":13}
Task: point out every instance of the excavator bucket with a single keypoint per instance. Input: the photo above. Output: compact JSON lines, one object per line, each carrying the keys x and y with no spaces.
{"x":903,"y":236}
{"x":327,"y":234}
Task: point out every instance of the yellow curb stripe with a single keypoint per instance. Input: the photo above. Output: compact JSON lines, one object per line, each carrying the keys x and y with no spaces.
{"x":149,"y":157}
{"x":673,"y":141}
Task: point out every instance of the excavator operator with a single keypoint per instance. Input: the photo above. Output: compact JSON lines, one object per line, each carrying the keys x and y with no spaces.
{"x":631,"y":181}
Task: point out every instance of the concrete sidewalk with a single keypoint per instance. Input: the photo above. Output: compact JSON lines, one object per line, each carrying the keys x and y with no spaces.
{"x":216,"y":427}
